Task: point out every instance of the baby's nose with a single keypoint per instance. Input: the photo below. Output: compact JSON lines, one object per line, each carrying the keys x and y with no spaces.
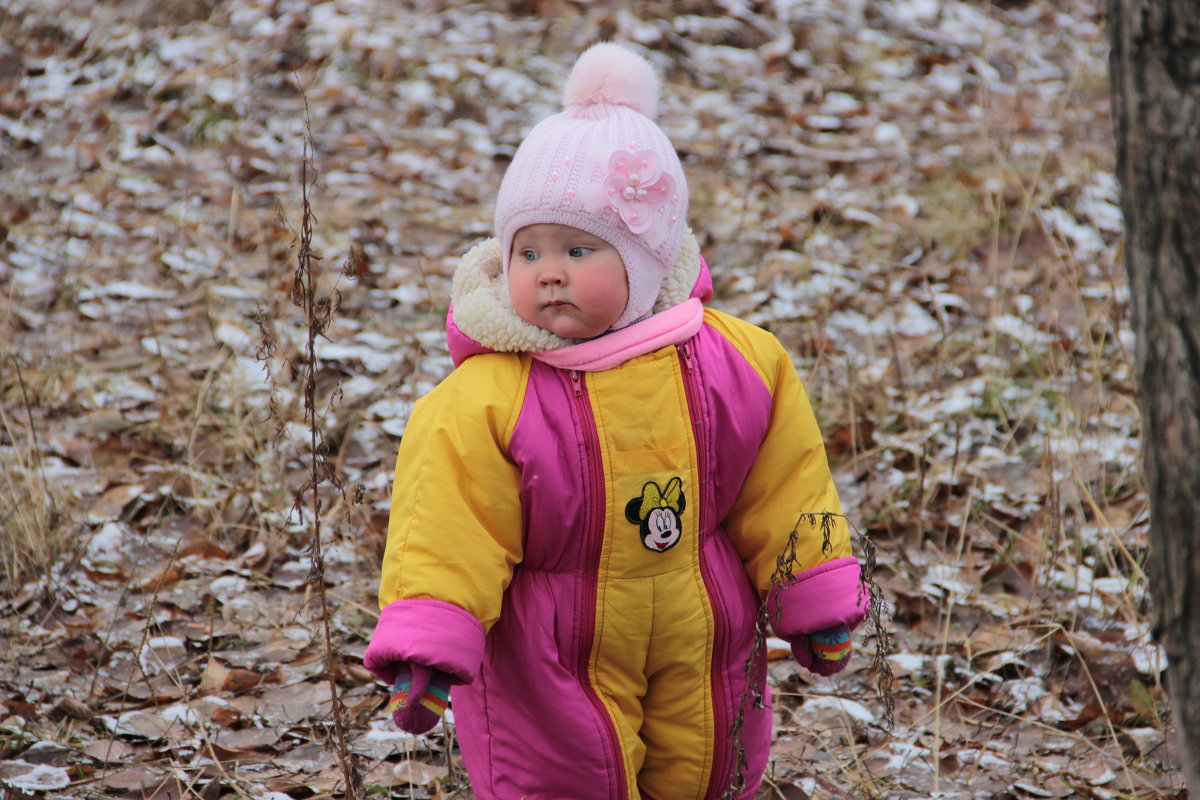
{"x":550,"y":274}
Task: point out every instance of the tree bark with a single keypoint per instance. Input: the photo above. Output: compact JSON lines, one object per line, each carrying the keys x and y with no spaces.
{"x":1155,"y":63}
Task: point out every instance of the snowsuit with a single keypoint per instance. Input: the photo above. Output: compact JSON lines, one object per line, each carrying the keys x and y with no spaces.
{"x":582,"y":538}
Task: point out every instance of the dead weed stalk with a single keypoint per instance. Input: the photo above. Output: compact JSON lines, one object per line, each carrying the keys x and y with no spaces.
{"x":319,"y":309}
{"x":787,"y":564}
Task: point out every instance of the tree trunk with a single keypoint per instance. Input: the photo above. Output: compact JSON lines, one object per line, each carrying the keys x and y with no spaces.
{"x":1155,"y":65}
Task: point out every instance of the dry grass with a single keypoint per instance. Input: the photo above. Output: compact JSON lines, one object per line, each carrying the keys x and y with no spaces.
{"x":35,"y":529}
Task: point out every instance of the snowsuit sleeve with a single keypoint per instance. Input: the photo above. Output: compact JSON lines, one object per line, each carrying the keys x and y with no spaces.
{"x":455,"y":530}
{"x":789,"y":482}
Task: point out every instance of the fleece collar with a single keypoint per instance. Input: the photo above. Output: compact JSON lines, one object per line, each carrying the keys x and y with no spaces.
{"x":482,"y":319}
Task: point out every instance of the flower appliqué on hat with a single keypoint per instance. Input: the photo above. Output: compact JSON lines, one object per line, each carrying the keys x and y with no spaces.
{"x":634,"y":185}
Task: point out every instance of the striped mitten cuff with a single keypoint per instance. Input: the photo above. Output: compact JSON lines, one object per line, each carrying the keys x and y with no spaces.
{"x":830,"y":649}
{"x":831,"y":644}
{"x":419,"y":697}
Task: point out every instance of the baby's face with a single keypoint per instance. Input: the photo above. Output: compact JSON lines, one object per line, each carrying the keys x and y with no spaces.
{"x":566,"y":281}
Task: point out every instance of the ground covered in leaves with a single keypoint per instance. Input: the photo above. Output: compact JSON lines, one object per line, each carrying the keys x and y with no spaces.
{"x":916,"y":196}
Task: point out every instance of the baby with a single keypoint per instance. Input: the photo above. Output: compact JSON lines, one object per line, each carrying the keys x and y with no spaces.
{"x":588,"y":511}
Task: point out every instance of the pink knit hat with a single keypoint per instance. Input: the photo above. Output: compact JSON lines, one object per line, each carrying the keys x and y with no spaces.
{"x":603,"y":166}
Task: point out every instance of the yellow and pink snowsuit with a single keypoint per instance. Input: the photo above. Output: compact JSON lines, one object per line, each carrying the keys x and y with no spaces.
{"x":584,"y":545}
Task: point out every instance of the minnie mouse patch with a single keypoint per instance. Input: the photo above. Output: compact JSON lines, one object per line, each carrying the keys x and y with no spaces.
{"x":656,"y":513}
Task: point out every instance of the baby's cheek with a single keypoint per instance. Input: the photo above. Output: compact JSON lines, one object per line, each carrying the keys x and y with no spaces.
{"x":519,"y":296}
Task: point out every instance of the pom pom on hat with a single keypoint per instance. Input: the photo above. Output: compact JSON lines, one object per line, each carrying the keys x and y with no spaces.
{"x":609,"y":73}
{"x":603,"y":166}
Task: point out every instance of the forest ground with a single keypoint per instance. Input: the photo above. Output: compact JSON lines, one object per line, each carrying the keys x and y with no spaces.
{"x":917,"y":197}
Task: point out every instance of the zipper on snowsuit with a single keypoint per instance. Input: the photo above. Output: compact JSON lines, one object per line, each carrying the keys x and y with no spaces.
{"x":594,"y":495}
{"x":721,"y":773}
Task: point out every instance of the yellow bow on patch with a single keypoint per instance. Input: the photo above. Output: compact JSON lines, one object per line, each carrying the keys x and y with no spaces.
{"x":653,"y":497}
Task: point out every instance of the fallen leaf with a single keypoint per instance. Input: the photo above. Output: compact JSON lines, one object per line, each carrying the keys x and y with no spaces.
{"x":407,"y":773}
{"x":249,"y":739}
{"x":111,"y":751}
{"x":110,"y":505}
{"x":219,"y":678}
{"x":136,"y":779}
{"x":1095,"y":772}
{"x":26,"y":777}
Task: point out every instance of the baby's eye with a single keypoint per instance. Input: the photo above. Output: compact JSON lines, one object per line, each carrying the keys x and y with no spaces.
{"x":579,"y":252}
{"x":529,"y":255}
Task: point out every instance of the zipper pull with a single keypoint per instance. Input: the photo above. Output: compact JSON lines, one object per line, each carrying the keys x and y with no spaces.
{"x":577,"y":382}
{"x":687,"y":358}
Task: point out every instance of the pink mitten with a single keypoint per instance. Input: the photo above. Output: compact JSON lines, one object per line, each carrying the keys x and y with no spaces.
{"x":419,"y":697}
{"x":825,"y":652}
